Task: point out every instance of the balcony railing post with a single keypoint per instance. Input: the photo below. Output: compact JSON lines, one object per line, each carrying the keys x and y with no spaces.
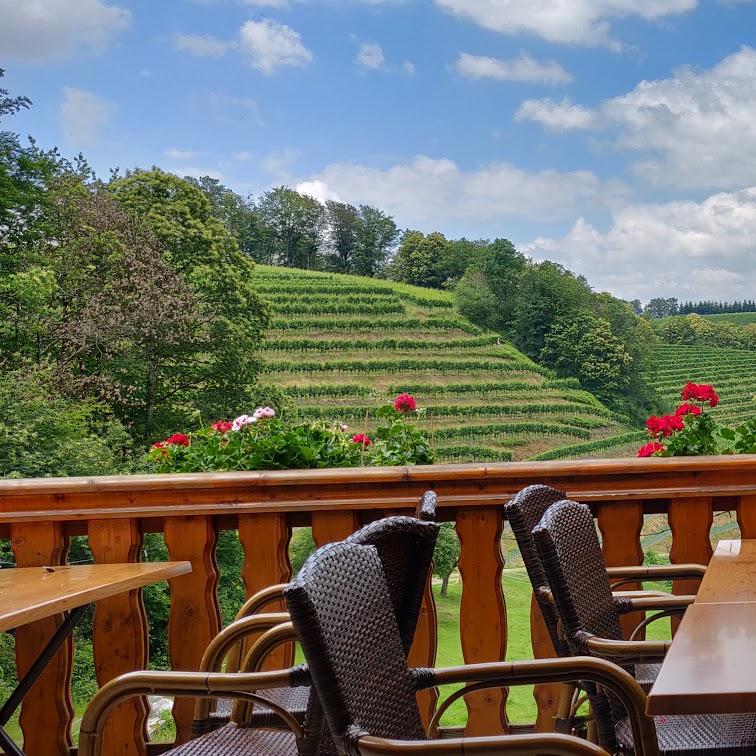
{"x":194,"y":618}
{"x":120,"y":635}
{"x":747,"y":516}
{"x":690,"y":521}
{"x":483,"y":613}
{"x":546,"y":695}
{"x":47,"y":711}
{"x":620,"y":524}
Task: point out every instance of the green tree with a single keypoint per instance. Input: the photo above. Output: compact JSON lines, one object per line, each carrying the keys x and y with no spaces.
{"x":377,"y":234}
{"x":294,"y":225}
{"x":342,"y":221}
{"x":416,"y":261}
{"x":659,"y":307}
{"x":218,"y":365}
{"x":446,"y":554}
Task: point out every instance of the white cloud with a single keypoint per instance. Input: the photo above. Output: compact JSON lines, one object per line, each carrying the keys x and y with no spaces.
{"x":44,"y":29}
{"x":241,"y":155}
{"x":556,"y":116}
{"x":697,"y":127}
{"x":317,"y":190}
{"x":584,"y":22}
{"x":431,"y":192}
{"x":177,"y":154}
{"x":270,"y":45}
{"x":82,"y":116}
{"x":204,"y":45}
{"x":370,"y":55}
{"x":686,"y":249}
{"x":523,"y":68}
{"x":408,"y":67}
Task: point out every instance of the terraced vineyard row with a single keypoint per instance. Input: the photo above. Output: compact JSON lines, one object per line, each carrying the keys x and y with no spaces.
{"x":731,"y":371}
{"x":341,"y":346}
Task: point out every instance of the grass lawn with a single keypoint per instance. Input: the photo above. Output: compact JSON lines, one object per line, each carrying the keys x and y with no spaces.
{"x":517,"y":592}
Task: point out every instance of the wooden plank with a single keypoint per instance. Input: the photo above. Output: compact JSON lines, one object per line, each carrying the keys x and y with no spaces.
{"x":33,"y":593}
{"x":547,"y":695}
{"x":709,"y":668}
{"x":746,"y":509}
{"x":690,"y":522}
{"x":483,"y":614}
{"x":329,"y":527}
{"x":424,"y":647}
{"x":731,"y":574}
{"x":47,"y":711}
{"x":265,"y":540}
{"x":120,"y":635}
{"x":620,"y":526}
{"x":194,"y":618}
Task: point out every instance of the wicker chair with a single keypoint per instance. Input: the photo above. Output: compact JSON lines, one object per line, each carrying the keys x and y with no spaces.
{"x":295,"y":700}
{"x":524,"y":511}
{"x":405,"y":545}
{"x":341,"y":608}
{"x":570,"y":554}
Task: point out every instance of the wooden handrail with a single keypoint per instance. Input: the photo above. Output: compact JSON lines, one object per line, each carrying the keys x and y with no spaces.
{"x":39,"y":515}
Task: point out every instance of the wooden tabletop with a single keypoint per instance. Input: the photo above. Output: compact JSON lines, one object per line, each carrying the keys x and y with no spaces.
{"x":709,"y":668}
{"x":31,"y":593}
{"x":731,"y":574}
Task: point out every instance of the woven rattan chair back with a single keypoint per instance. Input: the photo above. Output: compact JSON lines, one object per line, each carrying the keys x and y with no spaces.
{"x":570,"y":554}
{"x":344,"y":618}
{"x":405,"y":547}
{"x":524,"y":511}
{"x":426,"y":507}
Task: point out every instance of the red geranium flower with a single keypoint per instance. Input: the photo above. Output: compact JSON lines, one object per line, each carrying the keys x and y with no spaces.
{"x":405,"y":403}
{"x":222,"y":426}
{"x":160,"y":445}
{"x":362,"y":438}
{"x":664,"y":426}
{"x":180,"y":439}
{"x":688,"y":409}
{"x":648,"y":450}
{"x":700,"y":392}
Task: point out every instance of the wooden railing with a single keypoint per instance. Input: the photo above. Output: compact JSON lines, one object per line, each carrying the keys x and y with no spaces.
{"x":39,"y":516}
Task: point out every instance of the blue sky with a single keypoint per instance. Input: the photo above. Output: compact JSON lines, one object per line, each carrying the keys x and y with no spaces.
{"x":615,"y":136}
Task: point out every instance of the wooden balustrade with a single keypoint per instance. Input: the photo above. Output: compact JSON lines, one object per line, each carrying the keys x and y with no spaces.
{"x":39,"y":516}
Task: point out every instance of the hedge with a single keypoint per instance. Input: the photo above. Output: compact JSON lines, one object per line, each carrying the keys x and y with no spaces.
{"x":431,"y":323}
{"x":602,"y":443}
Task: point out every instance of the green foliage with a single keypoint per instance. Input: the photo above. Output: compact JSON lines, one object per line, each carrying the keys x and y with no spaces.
{"x":446,"y":554}
{"x":301,"y":545}
{"x":416,"y":261}
{"x":270,"y":443}
{"x":705,"y":331}
{"x":44,"y":434}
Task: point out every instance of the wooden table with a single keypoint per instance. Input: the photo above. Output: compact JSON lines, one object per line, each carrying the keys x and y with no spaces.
{"x":32,"y":593}
{"x":709,"y":669}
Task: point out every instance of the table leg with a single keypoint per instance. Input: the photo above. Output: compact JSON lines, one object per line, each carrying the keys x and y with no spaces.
{"x":36,"y":669}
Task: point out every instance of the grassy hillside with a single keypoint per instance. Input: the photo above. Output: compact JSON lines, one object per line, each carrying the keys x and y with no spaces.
{"x":731,"y":371}
{"x":340,"y":346}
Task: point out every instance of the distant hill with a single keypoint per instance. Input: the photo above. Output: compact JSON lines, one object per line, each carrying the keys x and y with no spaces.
{"x":341,"y":346}
{"x":732,"y":372}
{"x":739,"y":318}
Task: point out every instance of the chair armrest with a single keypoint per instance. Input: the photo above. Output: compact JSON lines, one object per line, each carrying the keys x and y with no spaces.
{"x":655,"y":572}
{"x":501,"y":674}
{"x":179,"y":684}
{"x":221,"y":644}
{"x":261,"y":599}
{"x":527,"y":745}
{"x":627,"y":604}
{"x":632,"y":651}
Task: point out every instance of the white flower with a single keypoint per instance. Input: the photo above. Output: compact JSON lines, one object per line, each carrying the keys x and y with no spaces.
{"x":241,"y":421}
{"x":264,"y":412}
{"x":343,"y":427}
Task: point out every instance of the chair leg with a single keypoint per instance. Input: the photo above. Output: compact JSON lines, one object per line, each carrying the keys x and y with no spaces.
{"x":563,"y":722}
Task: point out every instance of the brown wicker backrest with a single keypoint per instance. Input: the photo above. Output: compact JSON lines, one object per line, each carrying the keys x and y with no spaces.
{"x":405,"y":547}
{"x":524,"y":511}
{"x":426,"y":507}
{"x":570,"y":553}
{"x":342,"y":611}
